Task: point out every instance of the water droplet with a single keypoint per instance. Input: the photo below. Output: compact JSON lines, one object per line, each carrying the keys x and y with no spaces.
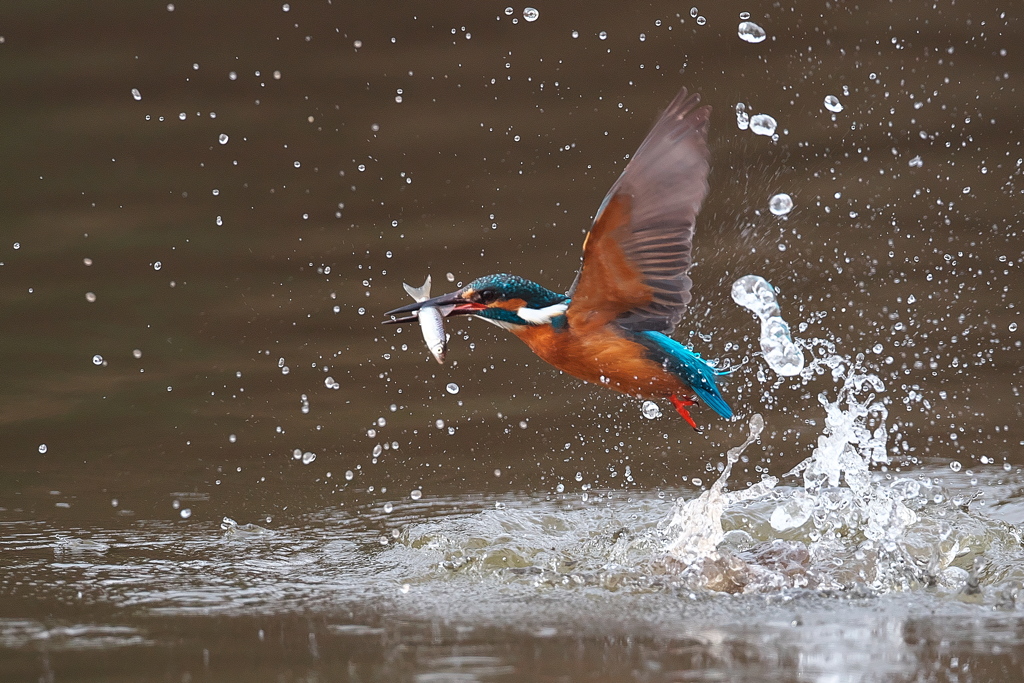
{"x":650,"y":410}
{"x":575,"y":34}
{"x":744,"y":16}
{"x":780,"y":352}
{"x":579,"y":476}
{"x":750,"y":32}
{"x":42,"y":448}
{"x":1013,"y":327}
{"x":222,"y":139}
{"x":694,"y":11}
{"x":742,"y":117}
{"x":452,"y":388}
{"x":388,"y":507}
{"x":157,"y":265}
{"x":182,"y":116}
{"x":349,"y":474}
{"x":762,"y":124}
{"x":780,"y":204}
{"x":308,"y":457}
{"x":232,"y":438}
{"x":509,"y":11}
{"x":90,"y":297}
{"x":97,"y":359}
{"x":136,"y":94}
{"x":416,"y":494}
{"x":955,"y":466}
{"x":602,"y":35}
{"x":439,"y":424}
{"x":916,"y":162}
{"x":833,"y":104}
{"x":377,"y":450}
{"x":530,"y":14}
{"x":185,"y":513}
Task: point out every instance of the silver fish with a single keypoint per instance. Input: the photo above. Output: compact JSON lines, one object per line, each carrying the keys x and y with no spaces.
{"x":431,"y":321}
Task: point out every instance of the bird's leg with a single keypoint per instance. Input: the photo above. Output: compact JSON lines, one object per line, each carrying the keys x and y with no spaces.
{"x":680,"y":406}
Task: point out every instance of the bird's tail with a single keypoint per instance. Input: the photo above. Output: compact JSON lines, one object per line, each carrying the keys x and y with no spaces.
{"x":692,"y":369}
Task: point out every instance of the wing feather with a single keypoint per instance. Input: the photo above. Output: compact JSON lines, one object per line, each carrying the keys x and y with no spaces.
{"x":638,"y":252}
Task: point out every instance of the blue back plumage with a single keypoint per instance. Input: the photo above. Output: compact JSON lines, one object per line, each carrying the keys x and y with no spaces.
{"x":690,"y":367}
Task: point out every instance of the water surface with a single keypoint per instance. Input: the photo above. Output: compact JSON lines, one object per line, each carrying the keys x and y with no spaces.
{"x":192,"y":280}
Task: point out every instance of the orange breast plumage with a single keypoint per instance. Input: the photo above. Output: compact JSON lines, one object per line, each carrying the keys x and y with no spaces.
{"x":605,"y":356}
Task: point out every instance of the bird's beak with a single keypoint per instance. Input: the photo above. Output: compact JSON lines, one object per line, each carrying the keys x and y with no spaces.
{"x":447,"y":304}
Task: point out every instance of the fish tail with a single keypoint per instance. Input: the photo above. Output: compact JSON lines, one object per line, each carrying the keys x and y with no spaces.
{"x":418,"y":293}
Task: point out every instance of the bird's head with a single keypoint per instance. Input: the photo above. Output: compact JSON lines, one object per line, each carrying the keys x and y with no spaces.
{"x":508,"y":301}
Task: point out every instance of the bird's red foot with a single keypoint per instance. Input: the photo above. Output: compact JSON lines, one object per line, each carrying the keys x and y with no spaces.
{"x":680,"y":406}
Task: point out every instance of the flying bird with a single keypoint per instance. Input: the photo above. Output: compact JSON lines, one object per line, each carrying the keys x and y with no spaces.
{"x":612,"y":327}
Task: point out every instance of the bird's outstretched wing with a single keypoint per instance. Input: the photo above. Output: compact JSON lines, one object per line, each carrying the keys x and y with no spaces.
{"x":636,"y":255}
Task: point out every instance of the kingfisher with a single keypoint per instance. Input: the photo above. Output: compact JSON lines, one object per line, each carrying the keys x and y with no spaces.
{"x":612,"y":326}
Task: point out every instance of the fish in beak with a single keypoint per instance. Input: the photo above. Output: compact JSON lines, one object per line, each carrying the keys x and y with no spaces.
{"x":430,"y":314}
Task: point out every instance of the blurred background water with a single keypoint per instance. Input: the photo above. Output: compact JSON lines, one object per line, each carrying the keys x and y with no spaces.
{"x":205,"y":209}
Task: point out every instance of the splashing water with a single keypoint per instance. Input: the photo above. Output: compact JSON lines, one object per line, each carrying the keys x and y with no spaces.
{"x":697,"y":523}
{"x":780,"y":352}
{"x":843,"y":526}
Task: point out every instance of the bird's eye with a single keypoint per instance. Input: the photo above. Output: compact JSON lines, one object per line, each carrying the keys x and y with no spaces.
{"x":487,"y":296}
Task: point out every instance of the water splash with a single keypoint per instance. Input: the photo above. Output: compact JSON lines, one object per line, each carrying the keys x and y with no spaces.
{"x":780,"y":352}
{"x":697,"y":523}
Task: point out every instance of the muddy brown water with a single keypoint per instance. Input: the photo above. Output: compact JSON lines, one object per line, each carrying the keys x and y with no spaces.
{"x":206,"y":208}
